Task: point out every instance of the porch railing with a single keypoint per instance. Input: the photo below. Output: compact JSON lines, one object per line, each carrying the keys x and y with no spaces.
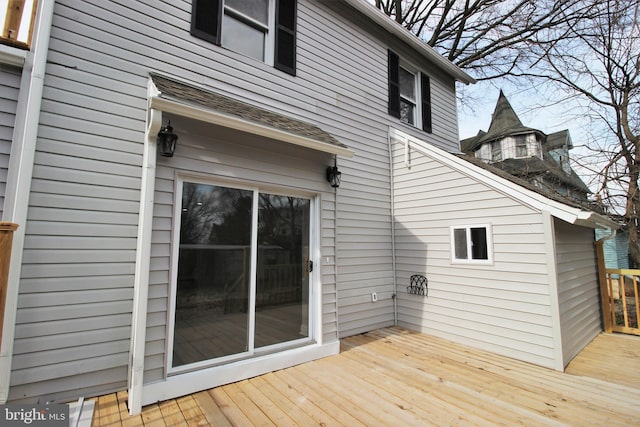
{"x":17,"y":23}
{"x":622,"y":305}
{"x":6,"y":240}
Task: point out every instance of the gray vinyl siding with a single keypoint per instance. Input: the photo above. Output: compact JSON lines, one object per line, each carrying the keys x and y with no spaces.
{"x":9,"y":89}
{"x":503,"y":307}
{"x":77,"y":278}
{"x":358,"y":65}
{"x":578,"y":290}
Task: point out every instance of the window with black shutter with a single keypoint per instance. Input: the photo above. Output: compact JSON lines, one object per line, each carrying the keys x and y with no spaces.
{"x":394,"y":84}
{"x":425,"y":86}
{"x":285,"y":47}
{"x":409,"y":93}
{"x":261,"y":29}
{"x":205,"y":19}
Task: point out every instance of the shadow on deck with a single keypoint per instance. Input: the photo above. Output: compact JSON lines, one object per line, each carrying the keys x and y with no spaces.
{"x":394,"y":376}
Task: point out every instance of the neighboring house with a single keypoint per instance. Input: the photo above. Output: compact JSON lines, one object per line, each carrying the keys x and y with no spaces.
{"x":616,"y":249}
{"x":527,"y":153}
{"x":235,"y":256}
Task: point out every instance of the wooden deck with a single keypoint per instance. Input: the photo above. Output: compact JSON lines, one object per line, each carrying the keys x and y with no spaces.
{"x":397,"y":377}
{"x":610,"y":357}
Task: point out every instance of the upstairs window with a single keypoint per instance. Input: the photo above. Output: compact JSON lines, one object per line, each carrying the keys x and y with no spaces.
{"x":261,"y":29}
{"x":496,"y":151}
{"x":16,"y":22}
{"x":521,"y":146}
{"x":245,"y":27}
{"x":471,"y":244}
{"x":409,"y":94}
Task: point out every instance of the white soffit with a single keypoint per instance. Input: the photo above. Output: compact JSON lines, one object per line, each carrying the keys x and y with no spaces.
{"x":405,"y":35}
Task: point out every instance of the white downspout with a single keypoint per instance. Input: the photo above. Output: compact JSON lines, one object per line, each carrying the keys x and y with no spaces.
{"x":143,"y":261}
{"x":23,"y":149}
{"x":393,"y":232}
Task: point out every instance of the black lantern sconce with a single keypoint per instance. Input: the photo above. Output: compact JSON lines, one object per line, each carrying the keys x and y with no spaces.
{"x":333,"y":175}
{"x":167,"y":140}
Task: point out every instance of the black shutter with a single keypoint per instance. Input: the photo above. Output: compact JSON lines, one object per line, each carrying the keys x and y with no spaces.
{"x":425,"y":84}
{"x":206,"y":17}
{"x":285,"y":49}
{"x":394,"y":84}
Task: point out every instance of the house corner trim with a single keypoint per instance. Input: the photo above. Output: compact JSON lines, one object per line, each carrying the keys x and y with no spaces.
{"x":554,"y":301}
{"x":23,"y":149}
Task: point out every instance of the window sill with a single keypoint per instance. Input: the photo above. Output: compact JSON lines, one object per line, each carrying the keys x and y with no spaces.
{"x":471,"y":262}
{"x":12,"y":56}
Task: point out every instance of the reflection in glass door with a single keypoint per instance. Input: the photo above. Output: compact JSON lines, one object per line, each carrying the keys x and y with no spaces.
{"x":282,"y":297}
{"x":214,"y":259}
{"x":243,"y":272}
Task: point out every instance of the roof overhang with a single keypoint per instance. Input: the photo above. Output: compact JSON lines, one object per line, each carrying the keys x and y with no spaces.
{"x":178,"y":101}
{"x":406,"y":36}
{"x":570,"y":214}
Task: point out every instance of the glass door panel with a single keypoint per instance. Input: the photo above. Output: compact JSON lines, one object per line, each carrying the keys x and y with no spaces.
{"x":282,"y":282}
{"x":213,"y":280}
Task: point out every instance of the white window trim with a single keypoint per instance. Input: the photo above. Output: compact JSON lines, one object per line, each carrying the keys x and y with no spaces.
{"x":314,"y":314}
{"x":488,"y":261}
{"x":270,"y":31}
{"x":417,"y":119}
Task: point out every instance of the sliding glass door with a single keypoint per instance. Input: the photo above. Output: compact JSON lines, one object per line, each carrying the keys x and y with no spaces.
{"x":282,"y":284}
{"x":242,"y":282}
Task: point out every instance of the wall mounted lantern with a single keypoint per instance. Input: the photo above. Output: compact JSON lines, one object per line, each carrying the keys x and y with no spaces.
{"x":333,"y":176}
{"x":167,"y":140}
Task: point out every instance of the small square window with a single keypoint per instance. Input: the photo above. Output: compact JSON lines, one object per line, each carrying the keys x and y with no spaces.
{"x":471,"y":244}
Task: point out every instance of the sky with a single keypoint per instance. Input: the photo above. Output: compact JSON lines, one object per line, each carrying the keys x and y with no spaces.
{"x":531,"y":106}
{"x":535,"y":110}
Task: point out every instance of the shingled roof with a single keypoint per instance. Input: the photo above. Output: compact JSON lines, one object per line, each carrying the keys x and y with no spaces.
{"x":531,"y":167}
{"x":504,"y":122}
{"x":505,"y":172}
{"x":558,"y":140}
{"x":178,"y":91}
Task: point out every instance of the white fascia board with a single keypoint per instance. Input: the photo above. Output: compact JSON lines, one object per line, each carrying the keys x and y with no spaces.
{"x":406,"y":36}
{"x":530,"y":198}
{"x":217,"y":118}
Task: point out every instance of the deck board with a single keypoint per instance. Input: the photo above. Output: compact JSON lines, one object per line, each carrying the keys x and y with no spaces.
{"x":394,"y":376}
{"x":211,"y":410}
{"x":610,"y":357}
